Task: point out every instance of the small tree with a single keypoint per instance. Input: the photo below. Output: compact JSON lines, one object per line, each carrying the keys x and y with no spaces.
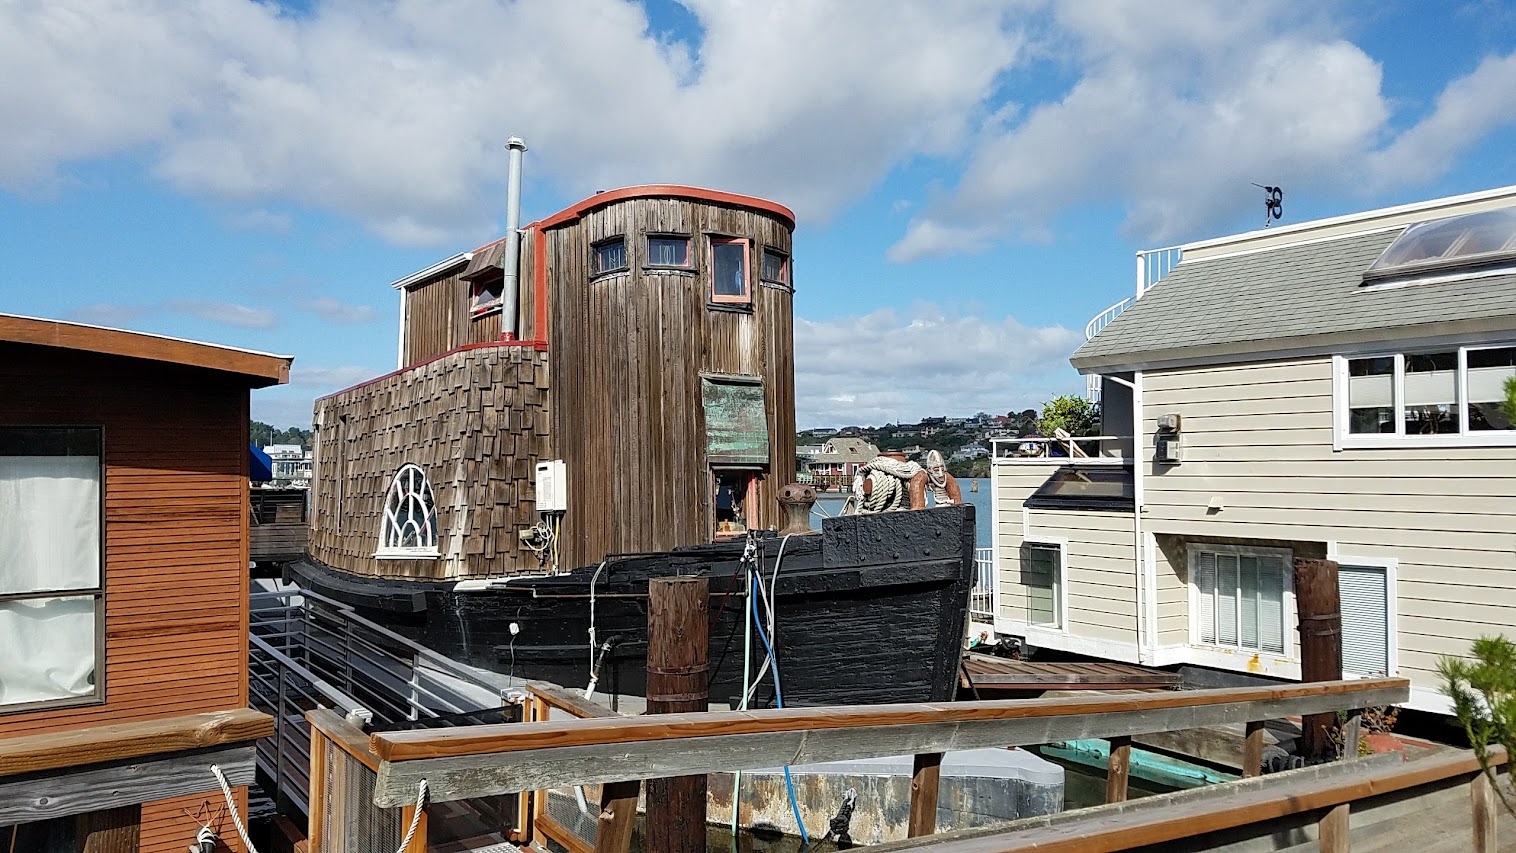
{"x":1071,"y":413}
{"x":1508,"y":406}
{"x":1483,"y":691}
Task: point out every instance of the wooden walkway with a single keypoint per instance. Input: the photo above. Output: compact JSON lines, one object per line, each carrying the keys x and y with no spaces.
{"x":1004,"y":674}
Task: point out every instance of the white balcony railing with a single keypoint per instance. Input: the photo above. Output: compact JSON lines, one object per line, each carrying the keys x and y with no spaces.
{"x":1152,"y":266}
{"x":982,"y":599}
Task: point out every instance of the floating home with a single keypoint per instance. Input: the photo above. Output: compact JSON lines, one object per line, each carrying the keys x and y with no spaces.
{"x":123,"y":587}
{"x":1325,"y":390}
{"x":627,"y":388}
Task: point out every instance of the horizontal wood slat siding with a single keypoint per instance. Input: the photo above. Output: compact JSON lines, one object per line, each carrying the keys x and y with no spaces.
{"x":476,"y":422}
{"x":175,"y":445}
{"x":1259,"y":438}
{"x":167,"y":829}
{"x":627,"y":353}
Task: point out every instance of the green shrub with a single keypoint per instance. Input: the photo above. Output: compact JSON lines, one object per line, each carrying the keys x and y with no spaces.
{"x":1483,"y":690}
{"x":1069,"y":412}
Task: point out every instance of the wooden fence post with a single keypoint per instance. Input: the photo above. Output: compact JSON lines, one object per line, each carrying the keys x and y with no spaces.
{"x":925,"y":778}
{"x":618,"y":812}
{"x":677,"y":682}
{"x":1318,"y":603}
{"x":1482,"y":797}
{"x":1252,"y":750}
{"x":1332,"y":830}
{"x":1117,"y":768}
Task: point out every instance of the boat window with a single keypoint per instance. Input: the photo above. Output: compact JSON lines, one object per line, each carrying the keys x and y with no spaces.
{"x":51,"y":586}
{"x":776,"y":268}
{"x":1240,"y":598}
{"x":486,"y":296}
{"x":1086,"y":487}
{"x":729,"y":271}
{"x":733,"y":502}
{"x":408,"y":529}
{"x":669,"y":250}
{"x":1471,"y":240}
{"x":609,"y":256}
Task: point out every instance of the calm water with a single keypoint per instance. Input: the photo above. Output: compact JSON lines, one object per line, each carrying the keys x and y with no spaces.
{"x":832,"y":504}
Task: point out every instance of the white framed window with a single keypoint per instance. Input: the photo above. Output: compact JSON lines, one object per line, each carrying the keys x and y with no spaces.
{"x":1241,"y":598}
{"x":1043,"y":581}
{"x":408,"y":529}
{"x":1366,"y":589}
{"x":1445,"y":396}
{"x":52,"y":595}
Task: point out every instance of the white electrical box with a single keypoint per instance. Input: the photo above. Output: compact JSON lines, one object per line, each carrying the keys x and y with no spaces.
{"x":552,"y":486}
{"x":1168,"y":449}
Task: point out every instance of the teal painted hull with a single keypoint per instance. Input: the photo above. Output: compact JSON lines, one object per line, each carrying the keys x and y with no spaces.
{"x":1151,"y":769}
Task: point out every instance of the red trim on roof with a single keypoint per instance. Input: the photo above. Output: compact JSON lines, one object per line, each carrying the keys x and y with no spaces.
{"x":539,"y":346}
{"x":663,"y":191}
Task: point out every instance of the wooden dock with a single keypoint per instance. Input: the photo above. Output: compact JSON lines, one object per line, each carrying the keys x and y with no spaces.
{"x":991,"y":673}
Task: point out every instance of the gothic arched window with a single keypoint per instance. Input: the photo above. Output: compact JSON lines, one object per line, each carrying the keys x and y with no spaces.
{"x":409,"y":526}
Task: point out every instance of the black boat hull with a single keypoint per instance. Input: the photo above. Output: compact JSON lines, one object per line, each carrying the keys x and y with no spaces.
{"x":870,"y":611}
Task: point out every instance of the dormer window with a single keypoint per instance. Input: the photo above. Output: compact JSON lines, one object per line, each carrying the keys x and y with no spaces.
{"x":730,"y":282}
{"x":609,"y":256}
{"x":1458,"y":243}
{"x":408,"y":529}
{"x":776,"y":268}
{"x":486,"y":296}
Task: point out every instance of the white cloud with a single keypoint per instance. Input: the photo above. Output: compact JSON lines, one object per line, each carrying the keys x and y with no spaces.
{"x":329,"y":379}
{"x":334,"y":310}
{"x":395,"y":113}
{"x":1468,"y":109}
{"x":1175,"y":114}
{"x":224,"y":313}
{"x":888,"y":367}
{"x":261,"y":220}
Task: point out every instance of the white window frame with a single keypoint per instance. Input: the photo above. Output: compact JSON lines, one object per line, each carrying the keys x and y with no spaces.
{"x":1287,"y":605}
{"x":1344,"y":440}
{"x":1062,"y":543}
{"x":1391,"y":568}
{"x":387,"y":515}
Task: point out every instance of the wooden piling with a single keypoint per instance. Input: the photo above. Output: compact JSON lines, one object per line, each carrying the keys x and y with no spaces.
{"x":925,"y":778}
{"x":1319,"y":604}
{"x":1252,"y":750}
{"x":677,"y":682}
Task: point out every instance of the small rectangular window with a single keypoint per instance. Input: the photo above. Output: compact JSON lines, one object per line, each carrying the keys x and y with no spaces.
{"x":1042,"y":578}
{"x":729,"y":270}
{"x":1371,"y":395}
{"x":1489,"y":372}
{"x":1431,"y":393}
{"x":610,"y":256}
{"x":668,"y":251}
{"x":50,"y":565}
{"x":735,"y":504}
{"x":776,"y":267}
{"x":486,"y":296}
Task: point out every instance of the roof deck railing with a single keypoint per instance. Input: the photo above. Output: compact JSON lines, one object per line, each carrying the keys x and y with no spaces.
{"x":1065,"y":450}
{"x":1152,"y":266}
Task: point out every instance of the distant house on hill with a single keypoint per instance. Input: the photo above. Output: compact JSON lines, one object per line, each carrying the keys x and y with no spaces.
{"x":842,"y":456}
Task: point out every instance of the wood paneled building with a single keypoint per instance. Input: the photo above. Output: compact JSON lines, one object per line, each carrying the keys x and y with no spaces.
{"x":652,"y":355}
{"x":123,"y":586}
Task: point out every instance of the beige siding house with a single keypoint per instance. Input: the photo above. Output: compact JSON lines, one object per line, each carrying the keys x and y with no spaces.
{"x":1329,"y":389}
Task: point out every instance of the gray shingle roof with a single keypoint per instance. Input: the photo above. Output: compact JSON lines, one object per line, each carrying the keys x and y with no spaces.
{"x":1307,"y":294}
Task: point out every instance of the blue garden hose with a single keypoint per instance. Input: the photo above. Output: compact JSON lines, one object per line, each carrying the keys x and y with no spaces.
{"x":789,"y":783}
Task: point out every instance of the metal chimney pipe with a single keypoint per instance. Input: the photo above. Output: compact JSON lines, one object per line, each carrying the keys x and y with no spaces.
{"x":510,"y":262}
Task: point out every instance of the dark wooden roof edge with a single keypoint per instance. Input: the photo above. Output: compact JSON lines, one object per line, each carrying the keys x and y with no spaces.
{"x":539,"y":345}
{"x":261,"y":368}
{"x":55,"y":750}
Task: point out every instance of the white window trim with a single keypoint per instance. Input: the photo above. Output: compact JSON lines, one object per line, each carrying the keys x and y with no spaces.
{"x":1391,"y":567}
{"x":409,"y":553}
{"x":1344,"y":440}
{"x":1287,"y":605}
{"x":1063,"y":581}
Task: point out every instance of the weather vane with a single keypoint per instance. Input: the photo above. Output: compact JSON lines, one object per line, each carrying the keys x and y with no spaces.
{"x":1273,"y":203}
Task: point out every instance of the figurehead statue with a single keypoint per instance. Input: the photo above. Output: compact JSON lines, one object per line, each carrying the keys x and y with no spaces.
{"x":936,"y":479}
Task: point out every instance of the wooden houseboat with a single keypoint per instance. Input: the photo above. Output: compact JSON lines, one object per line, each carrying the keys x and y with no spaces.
{"x":617,"y":381}
{"x":123,"y":588}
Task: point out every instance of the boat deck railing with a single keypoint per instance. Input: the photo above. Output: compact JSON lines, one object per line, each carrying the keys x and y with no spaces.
{"x":619,"y":752}
{"x":982,"y":597}
{"x":307,"y":651}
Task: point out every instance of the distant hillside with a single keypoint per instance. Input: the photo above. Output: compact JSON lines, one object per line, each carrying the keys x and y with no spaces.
{"x":946,"y":435}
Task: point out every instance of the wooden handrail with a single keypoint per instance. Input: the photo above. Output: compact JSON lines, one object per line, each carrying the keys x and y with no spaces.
{"x":57,"y":750}
{"x":1160,"y":820}
{"x":344,"y":735}
{"x":461,"y":763}
{"x":557,"y":697}
{"x":518,"y":737}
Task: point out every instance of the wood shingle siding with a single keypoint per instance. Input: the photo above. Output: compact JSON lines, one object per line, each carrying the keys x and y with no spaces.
{"x":475,"y":421}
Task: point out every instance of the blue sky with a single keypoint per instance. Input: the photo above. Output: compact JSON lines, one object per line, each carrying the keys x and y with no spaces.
{"x":971,"y":178}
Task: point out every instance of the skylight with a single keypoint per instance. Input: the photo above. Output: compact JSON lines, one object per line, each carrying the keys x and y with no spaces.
{"x":1458,"y":242}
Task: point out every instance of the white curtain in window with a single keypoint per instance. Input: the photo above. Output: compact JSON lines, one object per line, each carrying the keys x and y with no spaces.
{"x":49,"y":523}
{"x":49,"y":648}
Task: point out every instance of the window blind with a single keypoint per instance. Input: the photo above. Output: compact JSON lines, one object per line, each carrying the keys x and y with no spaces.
{"x":1041,"y":575}
{"x":1365,"y":620}
{"x":1240,"y":600}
